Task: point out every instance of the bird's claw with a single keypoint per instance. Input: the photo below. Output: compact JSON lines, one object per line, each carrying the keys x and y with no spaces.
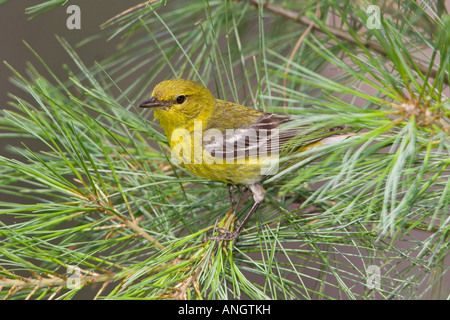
{"x":223,"y":235}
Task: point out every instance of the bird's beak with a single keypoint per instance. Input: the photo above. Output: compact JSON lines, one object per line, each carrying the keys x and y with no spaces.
{"x":153,"y":103}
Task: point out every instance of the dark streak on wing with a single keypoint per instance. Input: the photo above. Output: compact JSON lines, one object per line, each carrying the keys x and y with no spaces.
{"x":261,"y":137}
{"x":245,"y":142}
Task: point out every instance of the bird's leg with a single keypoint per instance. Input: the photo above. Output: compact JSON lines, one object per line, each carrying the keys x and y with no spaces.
{"x":230,"y":190}
{"x":258,"y":195}
{"x":232,"y":199}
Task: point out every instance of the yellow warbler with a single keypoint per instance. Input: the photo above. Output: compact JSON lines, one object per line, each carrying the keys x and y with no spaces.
{"x":219,"y":140}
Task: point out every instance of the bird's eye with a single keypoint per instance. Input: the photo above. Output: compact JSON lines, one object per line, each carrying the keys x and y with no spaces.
{"x":180,"y":99}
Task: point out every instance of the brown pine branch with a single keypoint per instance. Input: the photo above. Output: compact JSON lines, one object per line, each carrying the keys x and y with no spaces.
{"x":22,"y":283}
{"x":338,"y":33}
{"x":294,"y":51}
{"x":140,"y":5}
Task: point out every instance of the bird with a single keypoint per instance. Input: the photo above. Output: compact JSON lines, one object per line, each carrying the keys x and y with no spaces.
{"x":221,"y":140}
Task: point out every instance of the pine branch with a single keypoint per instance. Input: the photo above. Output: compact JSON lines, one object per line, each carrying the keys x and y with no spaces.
{"x":339,"y":33}
{"x":23,"y":283}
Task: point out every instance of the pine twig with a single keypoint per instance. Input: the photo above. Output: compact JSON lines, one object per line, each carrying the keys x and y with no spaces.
{"x":140,"y":5}
{"x":341,"y":34}
{"x":294,"y":51}
{"x":22,"y":283}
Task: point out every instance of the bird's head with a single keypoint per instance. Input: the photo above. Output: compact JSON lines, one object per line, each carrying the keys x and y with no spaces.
{"x":179,"y":102}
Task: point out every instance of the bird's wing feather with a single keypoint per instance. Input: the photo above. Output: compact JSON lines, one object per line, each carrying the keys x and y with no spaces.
{"x":247,"y":141}
{"x":264,"y":135}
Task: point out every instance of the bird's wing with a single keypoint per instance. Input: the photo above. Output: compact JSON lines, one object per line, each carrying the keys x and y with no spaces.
{"x":263,"y":137}
{"x":243,"y":142}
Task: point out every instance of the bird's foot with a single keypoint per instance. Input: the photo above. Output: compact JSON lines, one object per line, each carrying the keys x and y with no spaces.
{"x":223,"y":235}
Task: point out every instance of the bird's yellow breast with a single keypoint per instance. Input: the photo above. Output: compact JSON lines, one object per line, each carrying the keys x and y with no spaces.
{"x":187,"y":149}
